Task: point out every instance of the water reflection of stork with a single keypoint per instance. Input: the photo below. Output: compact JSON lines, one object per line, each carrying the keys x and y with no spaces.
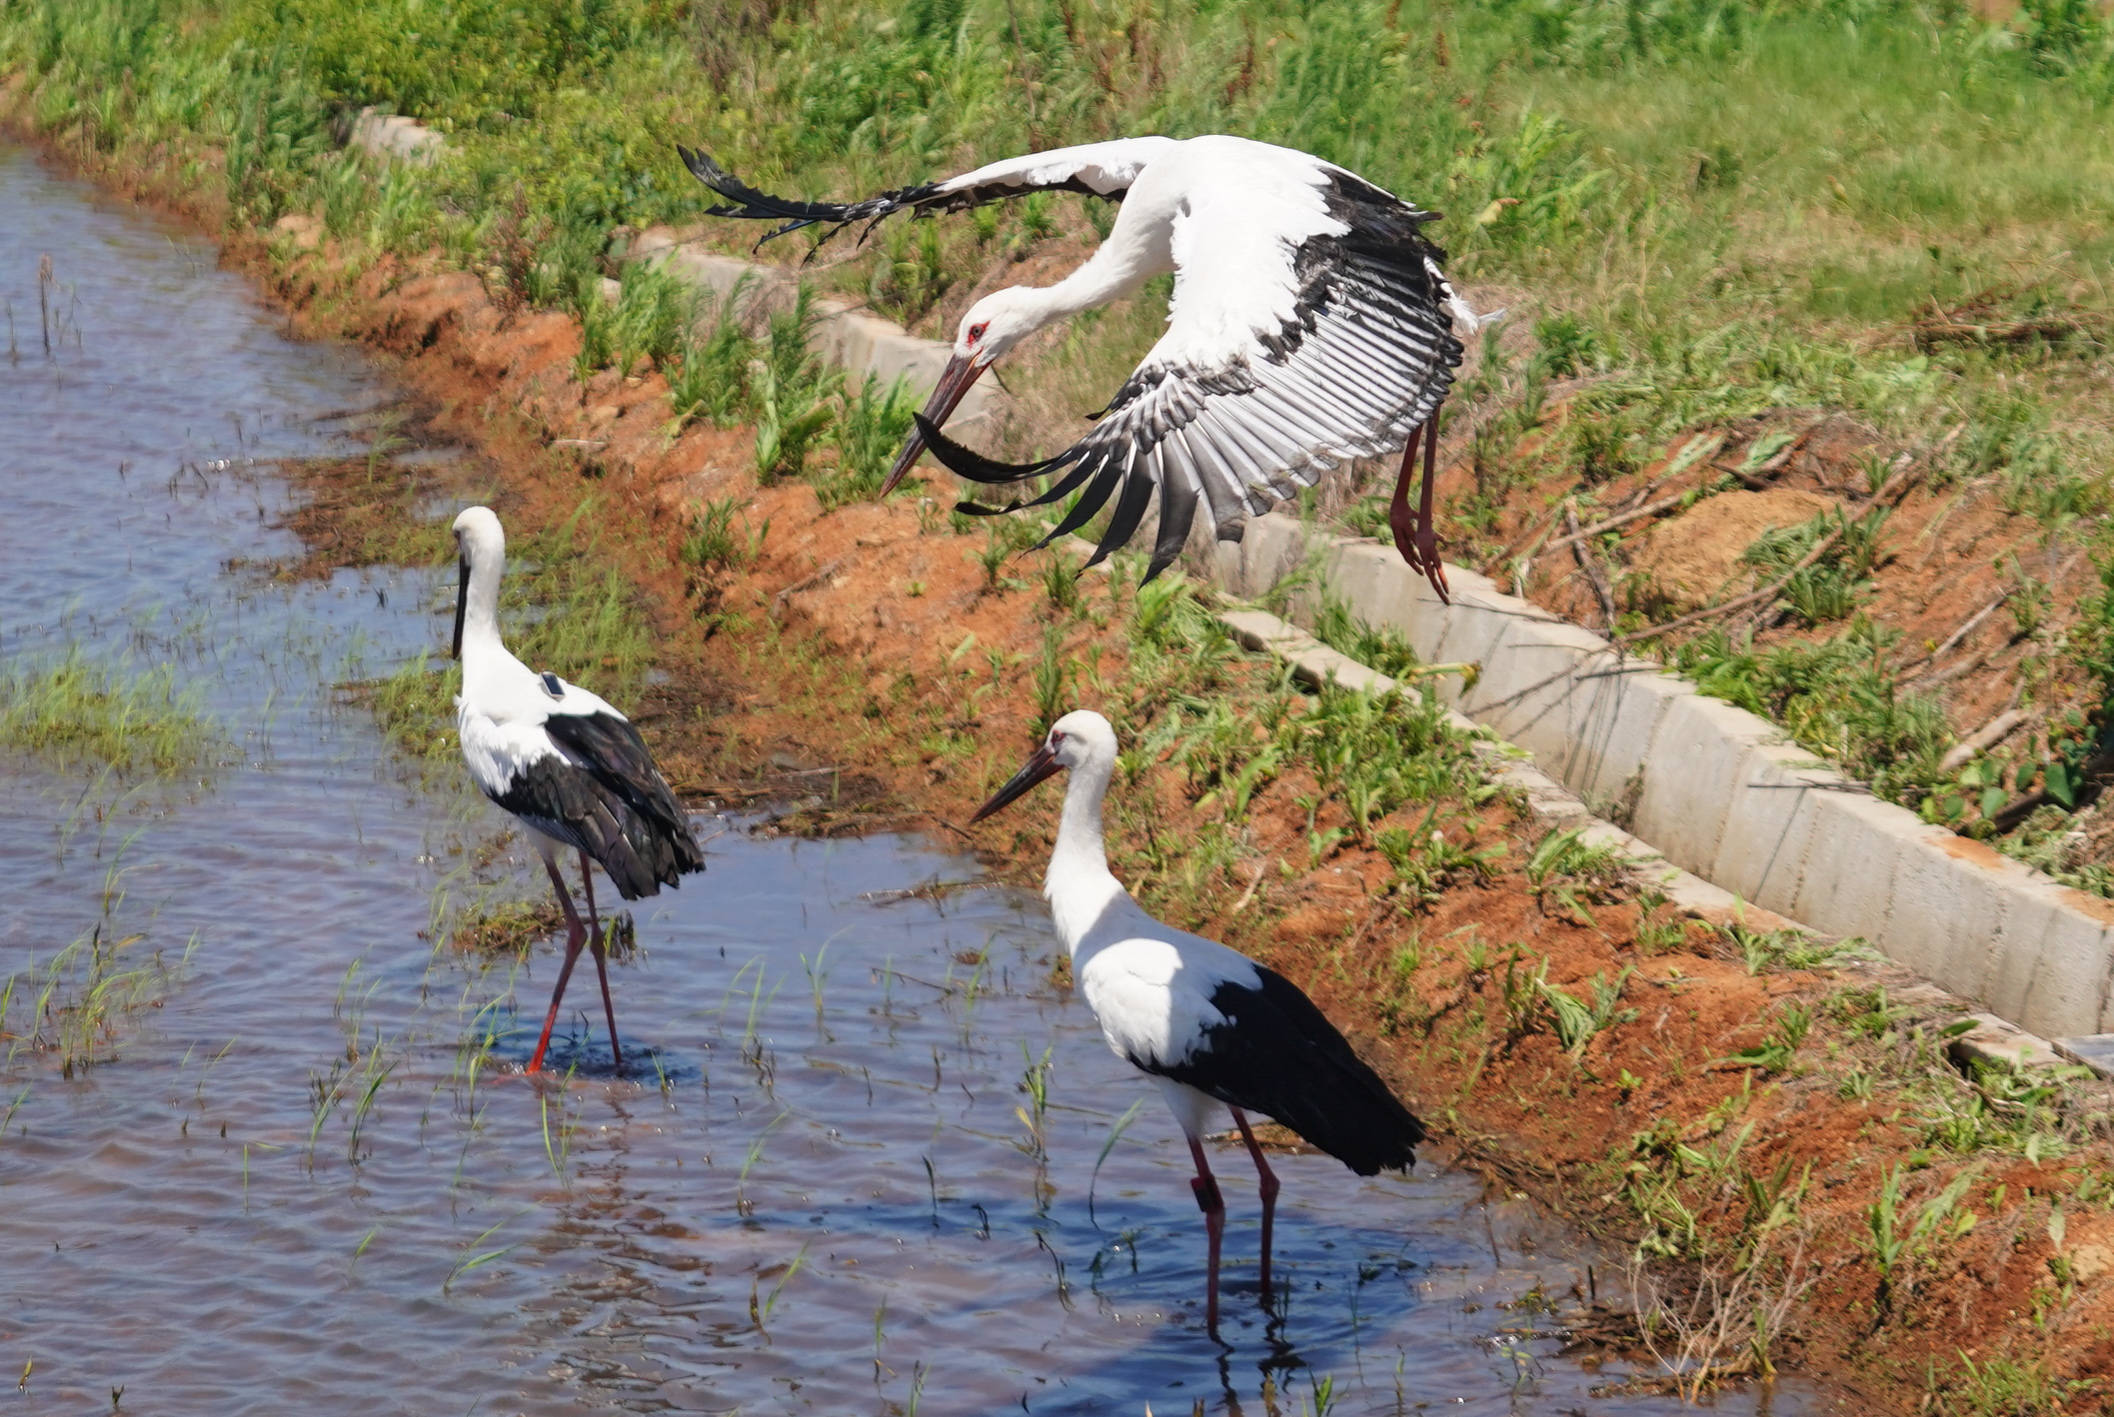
{"x":1310,"y":324}
{"x":568,"y":766}
{"x":1209,"y":1024}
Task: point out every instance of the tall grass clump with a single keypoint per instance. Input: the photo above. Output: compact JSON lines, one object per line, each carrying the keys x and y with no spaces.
{"x":709,"y":376}
{"x":78,"y":711}
{"x":794,"y":392}
{"x":870,"y":426}
{"x":1838,"y":698}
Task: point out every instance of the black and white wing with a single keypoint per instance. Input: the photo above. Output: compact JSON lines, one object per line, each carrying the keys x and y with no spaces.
{"x":1310,"y":325}
{"x":1096,"y":169}
{"x":1274,"y":1052}
{"x":578,"y":772}
{"x":610,"y":748}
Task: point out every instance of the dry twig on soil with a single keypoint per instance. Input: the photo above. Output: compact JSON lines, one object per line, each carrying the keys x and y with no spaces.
{"x":1589,"y":564}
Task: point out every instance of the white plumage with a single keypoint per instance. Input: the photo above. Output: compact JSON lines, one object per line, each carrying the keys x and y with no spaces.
{"x":570,"y":767}
{"x":1212,"y":1027}
{"x":1310,"y":324}
{"x":501,"y":725}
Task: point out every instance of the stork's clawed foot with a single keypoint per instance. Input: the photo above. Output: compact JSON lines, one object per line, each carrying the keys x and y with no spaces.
{"x":1419,"y":547}
{"x":1427,"y":560}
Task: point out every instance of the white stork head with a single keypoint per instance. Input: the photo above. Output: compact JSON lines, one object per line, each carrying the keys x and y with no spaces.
{"x":480,"y":551}
{"x":1081,"y":739}
{"x":992,"y":326}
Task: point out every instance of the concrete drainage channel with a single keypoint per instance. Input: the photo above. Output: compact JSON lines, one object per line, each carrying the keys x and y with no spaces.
{"x":1724,"y":810}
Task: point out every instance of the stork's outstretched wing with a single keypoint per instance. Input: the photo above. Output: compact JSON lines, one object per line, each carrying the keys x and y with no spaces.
{"x":1097,"y":169}
{"x":1310,"y":325}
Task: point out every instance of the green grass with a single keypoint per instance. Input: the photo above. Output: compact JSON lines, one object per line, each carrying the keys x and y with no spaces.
{"x":77,"y":711}
{"x":2000,"y":1386}
{"x":870,"y":426}
{"x":709,"y":376}
{"x":1387,"y":770}
{"x":1838,"y":698}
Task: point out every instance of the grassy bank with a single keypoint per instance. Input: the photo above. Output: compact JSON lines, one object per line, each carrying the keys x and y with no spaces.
{"x":1719,"y":227}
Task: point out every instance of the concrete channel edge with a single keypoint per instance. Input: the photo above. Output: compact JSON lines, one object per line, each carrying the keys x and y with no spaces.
{"x":1724,"y":814}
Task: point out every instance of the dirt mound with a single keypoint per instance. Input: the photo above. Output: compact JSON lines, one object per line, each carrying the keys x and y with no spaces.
{"x":1695,"y":558}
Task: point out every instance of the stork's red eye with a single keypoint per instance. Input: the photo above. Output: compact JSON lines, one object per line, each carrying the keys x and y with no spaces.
{"x":976,"y":332}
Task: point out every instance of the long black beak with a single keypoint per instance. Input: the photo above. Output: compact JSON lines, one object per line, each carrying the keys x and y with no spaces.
{"x":462,"y":607}
{"x":1041,"y":763}
{"x":960,"y":373}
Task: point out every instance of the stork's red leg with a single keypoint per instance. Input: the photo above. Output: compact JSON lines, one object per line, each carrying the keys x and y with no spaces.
{"x":1266,"y":1183}
{"x":575,"y":936}
{"x":1415,"y":536}
{"x":587,"y":879}
{"x":608,"y":1011}
{"x":1209,"y":1201}
{"x":587,"y":883}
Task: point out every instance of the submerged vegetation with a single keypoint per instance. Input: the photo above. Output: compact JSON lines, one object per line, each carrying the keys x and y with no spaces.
{"x":68,"y":1009}
{"x":75,"y":710}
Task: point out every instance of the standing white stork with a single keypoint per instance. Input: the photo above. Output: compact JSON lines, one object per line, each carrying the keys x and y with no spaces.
{"x":568,"y":767}
{"x":1209,"y":1024}
{"x":1310,"y":324}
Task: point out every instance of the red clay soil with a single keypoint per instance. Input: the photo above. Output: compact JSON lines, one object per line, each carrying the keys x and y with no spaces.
{"x":1945,"y":553}
{"x":841,"y":644}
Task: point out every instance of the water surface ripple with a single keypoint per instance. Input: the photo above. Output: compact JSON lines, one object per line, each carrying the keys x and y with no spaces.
{"x":820,"y":1190}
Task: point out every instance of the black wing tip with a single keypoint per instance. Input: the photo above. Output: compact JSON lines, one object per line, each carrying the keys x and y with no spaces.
{"x":1379,"y":1145}
{"x":705,"y":170}
{"x":967,"y":462}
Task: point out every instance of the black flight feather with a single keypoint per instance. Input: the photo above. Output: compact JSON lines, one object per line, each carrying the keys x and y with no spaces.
{"x":967,"y":462}
{"x":607,"y":798}
{"x":1089,"y":505}
{"x":1279,"y":1055}
{"x":1178,"y":501}
{"x":1130,"y":510}
{"x":922,"y":199}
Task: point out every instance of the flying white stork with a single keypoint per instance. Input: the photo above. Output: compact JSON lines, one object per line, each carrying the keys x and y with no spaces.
{"x":1310,"y":324}
{"x":568,"y":767}
{"x":1210,"y":1025}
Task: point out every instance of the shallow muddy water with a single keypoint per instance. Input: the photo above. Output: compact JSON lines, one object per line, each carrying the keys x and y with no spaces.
{"x":307,"y":1177}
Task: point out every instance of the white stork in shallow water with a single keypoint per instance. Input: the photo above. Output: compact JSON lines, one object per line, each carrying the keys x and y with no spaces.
{"x":1210,"y":1025}
{"x":1310,"y":324}
{"x":568,"y":767}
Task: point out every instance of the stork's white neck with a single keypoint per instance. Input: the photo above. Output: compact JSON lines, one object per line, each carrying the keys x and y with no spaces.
{"x":480,"y":620}
{"x":1079,"y":886}
{"x":1130,"y":257}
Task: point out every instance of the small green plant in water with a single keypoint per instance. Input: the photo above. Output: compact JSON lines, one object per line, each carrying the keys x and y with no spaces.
{"x":71,"y":1007}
